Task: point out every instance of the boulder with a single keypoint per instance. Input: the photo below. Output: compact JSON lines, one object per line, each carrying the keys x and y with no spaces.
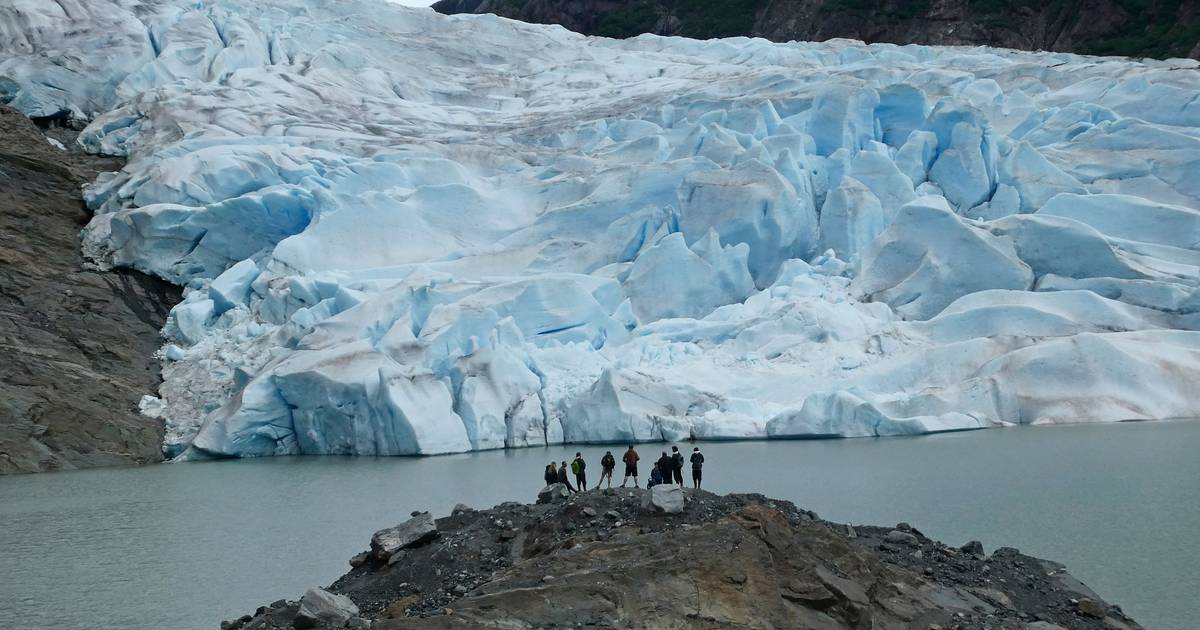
{"x":663,"y":498}
{"x":320,"y":607}
{"x":901,"y":537}
{"x":1092,"y":608}
{"x":553,"y":494}
{"x":974,"y":547}
{"x":415,"y":531}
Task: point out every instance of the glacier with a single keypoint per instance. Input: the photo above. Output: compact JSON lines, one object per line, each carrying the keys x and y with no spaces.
{"x":404,"y":233}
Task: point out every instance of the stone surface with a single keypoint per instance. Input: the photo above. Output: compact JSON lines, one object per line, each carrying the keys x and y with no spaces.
{"x":553,"y":493}
{"x":320,"y":608}
{"x":664,"y":498}
{"x":414,"y":531}
{"x":973,"y":547}
{"x":1092,"y":608}
{"x":901,"y":537}
{"x":78,"y":345}
{"x":736,"y":561}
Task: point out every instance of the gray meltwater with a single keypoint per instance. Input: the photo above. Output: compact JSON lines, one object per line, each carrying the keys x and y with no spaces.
{"x":185,"y":546}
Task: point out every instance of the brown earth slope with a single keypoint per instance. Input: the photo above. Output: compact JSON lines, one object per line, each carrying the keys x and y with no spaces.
{"x":76,"y":344}
{"x":1137,"y":28}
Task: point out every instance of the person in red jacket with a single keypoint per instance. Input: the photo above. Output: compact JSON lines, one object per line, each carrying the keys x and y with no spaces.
{"x":631,"y":460}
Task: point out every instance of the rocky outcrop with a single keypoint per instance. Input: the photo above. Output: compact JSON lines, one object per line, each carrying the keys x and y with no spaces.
{"x":320,"y":608}
{"x":1157,"y":29}
{"x":602,"y":560}
{"x":78,"y":345}
{"x":663,"y":498}
{"x":553,"y":493}
{"x":415,"y":531}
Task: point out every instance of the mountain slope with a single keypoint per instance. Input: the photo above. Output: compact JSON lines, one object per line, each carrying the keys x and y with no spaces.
{"x":1137,"y":28}
{"x":78,"y":344}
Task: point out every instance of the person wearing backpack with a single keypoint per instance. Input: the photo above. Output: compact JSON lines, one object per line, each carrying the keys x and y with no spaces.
{"x":676,"y":466}
{"x":697,"y":465}
{"x":631,"y":460}
{"x":607,"y":464}
{"x":578,"y":466}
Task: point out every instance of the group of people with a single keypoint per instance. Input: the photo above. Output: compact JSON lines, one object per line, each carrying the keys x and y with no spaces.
{"x":668,"y":469}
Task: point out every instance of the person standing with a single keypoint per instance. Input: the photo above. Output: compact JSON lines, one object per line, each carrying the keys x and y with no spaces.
{"x":697,"y":466}
{"x":665,"y":465}
{"x":579,"y":467}
{"x":607,"y":464}
{"x":562,"y":477}
{"x":631,"y":461}
{"x":551,"y":475}
{"x":677,"y":465}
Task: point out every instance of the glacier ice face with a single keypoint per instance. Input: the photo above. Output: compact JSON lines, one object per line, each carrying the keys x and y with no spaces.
{"x":404,"y":233}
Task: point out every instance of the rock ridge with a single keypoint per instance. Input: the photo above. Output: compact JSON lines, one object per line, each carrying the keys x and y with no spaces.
{"x":612,"y":559}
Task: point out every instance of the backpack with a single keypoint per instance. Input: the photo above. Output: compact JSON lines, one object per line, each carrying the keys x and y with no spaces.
{"x":607,"y":461}
{"x":575,"y":466}
{"x":677,"y":461}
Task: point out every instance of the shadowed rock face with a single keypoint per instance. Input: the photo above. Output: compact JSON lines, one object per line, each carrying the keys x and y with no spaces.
{"x":600,"y":559}
{"x":77,"y":344}
{"x":1157,"y":29}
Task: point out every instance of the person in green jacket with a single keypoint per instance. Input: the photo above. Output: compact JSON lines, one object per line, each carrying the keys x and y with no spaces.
{"x":579,"y":467}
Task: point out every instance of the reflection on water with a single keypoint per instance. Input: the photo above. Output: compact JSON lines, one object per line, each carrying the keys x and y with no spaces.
{"x":185,"y":546}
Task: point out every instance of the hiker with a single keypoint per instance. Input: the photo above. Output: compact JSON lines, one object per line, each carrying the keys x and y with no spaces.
{"x":677,"y":465}
{"x":562,"y":477}
{"x":655,"y":477}
{"x":551,"y":475}
{"x":697,"y":464}
{"x":607,"y":464}
{"x":665,"y":465}
{"x":578,"y":466}
{"x":631,"y":460}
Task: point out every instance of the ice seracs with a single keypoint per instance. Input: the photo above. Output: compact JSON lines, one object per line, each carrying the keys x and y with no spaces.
{"x":405,"y":233}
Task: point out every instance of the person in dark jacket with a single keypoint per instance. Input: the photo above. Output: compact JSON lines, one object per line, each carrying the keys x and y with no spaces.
{"x":677,"y":465}
{"x":607,"y":464}
{"x":579,"y":467}
{"x":631,"y":461}
{"x":697,"y":465}
{"x":551,"y":475}
{"x":655,"y":477}
{"x":665,"y":465}
{"x":562,"y":477}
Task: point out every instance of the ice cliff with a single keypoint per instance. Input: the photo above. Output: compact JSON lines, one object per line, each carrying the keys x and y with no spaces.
{"x":407,"y":233}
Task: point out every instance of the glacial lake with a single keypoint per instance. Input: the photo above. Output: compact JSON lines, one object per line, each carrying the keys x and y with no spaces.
{"x":185,"y":546}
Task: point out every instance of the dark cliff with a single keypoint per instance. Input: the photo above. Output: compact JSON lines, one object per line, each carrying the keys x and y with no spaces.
{"x":77,"y":344}
{"x":1136,"y":28}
